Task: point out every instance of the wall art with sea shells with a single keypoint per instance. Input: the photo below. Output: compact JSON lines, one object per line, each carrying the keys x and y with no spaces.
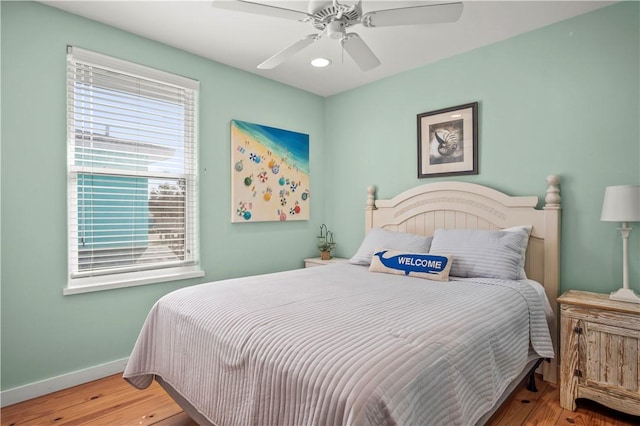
{"x":448,"y":141}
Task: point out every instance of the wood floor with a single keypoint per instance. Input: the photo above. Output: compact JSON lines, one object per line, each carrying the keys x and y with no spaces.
{"x":113,"y":402}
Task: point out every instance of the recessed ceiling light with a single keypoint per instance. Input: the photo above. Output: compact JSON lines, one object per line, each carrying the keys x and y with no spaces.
{"x":320,"y":62}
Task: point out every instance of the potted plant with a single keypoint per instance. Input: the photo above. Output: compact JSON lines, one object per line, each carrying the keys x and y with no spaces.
{"x":325,"y":242}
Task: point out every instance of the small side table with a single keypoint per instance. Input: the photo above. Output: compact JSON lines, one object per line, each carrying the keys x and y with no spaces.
{"x":600,"y":359}
{"x":316,"y":261}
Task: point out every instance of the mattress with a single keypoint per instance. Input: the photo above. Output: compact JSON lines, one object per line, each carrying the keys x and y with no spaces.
{"x":341,"y":345}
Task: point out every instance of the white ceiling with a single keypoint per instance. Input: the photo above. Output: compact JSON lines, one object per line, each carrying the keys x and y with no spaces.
{"x":243,"y":40}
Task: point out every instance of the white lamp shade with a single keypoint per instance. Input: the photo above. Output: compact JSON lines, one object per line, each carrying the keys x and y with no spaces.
{"x":621,"y":204}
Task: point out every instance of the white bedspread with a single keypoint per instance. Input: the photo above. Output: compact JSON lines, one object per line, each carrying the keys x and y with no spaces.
{"x":339,"y":345}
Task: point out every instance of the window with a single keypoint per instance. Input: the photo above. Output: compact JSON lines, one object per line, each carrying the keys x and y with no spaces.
{"x":132,"y":165}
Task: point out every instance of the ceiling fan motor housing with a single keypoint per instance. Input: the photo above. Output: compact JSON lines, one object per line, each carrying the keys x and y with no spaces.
{"x":326,"y":12}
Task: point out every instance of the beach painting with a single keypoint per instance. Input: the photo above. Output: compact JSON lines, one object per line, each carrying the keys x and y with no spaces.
{"x":269,"y":174}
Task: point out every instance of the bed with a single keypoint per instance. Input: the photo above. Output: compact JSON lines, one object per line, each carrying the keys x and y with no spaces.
{"x":342,"y":345}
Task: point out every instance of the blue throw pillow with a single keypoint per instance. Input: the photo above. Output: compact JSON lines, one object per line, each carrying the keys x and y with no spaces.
{"x":421,"y":265}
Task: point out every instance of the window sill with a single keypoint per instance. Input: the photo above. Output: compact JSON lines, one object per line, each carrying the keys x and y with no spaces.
{"x":131,"y":279}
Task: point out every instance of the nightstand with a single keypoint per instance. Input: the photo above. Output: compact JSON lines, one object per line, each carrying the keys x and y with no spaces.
{"x":600,"y":351}
{"x":316,"y":261}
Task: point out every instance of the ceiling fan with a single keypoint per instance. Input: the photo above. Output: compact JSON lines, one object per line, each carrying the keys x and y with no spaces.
{"x":333,"y":17}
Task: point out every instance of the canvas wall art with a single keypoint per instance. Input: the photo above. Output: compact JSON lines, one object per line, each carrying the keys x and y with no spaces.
{"x":269,"y":173}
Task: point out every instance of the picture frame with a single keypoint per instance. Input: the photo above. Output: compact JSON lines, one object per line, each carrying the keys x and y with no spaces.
{"x":448,"y":141}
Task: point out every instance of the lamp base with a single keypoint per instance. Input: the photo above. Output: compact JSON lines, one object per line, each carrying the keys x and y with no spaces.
{"x":625,"y":295}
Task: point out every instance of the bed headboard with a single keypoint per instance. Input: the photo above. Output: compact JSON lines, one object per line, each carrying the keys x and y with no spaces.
{"x":463,"y":205}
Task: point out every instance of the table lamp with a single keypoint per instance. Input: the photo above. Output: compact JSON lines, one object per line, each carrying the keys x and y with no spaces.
{"x":622,"y":204}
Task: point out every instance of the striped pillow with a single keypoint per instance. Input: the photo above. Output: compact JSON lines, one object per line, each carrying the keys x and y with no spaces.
{"x":483,"y":254}
{"x":527,"y":230}
{"x":378,"y":237}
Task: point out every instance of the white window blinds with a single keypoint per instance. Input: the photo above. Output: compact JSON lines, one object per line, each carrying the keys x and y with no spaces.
{"x":132,"y":163}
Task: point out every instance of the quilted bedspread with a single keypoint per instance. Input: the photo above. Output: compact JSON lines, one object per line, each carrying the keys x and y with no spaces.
{"x":339,"y":345}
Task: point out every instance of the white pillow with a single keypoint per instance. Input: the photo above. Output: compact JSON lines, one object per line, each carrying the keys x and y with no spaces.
{"x":378,"y":237}
{"x":483,"y":254}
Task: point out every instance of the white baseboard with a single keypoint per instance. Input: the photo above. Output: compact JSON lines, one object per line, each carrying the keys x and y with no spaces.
{"x":43,"y":387}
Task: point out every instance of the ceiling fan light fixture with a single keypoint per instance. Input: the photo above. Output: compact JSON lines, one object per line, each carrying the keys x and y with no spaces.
{"x":320,"y":62}
{"x":335,"y":29}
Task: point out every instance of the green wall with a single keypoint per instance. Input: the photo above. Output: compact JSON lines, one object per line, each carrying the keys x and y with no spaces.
{"x":45,"y":334}
{"x":563,"y":99}
{"x":560,"y":100}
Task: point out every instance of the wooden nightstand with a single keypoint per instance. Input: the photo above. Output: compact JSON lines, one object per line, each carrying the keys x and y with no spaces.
{"x":600,"y":351}
{"x":316,"y":261}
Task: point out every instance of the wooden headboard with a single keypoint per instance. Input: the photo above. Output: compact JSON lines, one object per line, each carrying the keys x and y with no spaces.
{"x":462,"y":205}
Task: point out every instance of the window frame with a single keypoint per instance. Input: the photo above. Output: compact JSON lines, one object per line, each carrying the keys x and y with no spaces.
{"x":189,"y":267}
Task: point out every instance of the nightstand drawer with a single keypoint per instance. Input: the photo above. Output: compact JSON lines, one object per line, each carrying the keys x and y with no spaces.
{"x":602,"y":316}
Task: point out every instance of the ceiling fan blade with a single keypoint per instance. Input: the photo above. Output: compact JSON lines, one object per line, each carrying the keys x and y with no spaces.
{"x":288,"y":52}
{"x":261,"y":9}
{"x":360,"y":52}
{"x":428,"y":14}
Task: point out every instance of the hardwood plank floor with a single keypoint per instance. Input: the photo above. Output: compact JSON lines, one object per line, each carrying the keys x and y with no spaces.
{"x":113,"y":402}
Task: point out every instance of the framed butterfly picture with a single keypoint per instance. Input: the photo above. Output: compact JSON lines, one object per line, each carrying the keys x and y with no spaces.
{"x":448,"y":141}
